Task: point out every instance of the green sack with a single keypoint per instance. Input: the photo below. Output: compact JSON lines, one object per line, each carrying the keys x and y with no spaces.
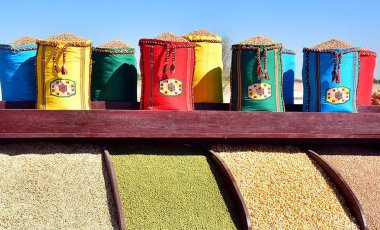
{"x":114,"y":74}
{"x":256,"y":85}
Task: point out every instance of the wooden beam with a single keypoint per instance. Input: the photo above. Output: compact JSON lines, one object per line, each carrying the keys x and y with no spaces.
{"x":176,"y":124}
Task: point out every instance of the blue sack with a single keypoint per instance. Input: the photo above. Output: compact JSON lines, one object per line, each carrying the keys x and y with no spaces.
{"x":289,"y":69}
{"x":17,"y":72}
{"x":330,"y":78}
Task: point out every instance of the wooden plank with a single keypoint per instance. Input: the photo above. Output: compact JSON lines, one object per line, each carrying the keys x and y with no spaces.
{"x":233,"y":188}
{"x":177,"y":124}
{"x":114,"y":189}
{"x":343,"y":189}
{"x":116,"y":105}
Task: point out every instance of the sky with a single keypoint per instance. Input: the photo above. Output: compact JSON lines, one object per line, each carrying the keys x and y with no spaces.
{"x":294,"y":23}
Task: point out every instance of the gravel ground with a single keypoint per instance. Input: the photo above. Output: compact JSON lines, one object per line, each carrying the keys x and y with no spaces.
{"x":165,"y":188}
{"x":44,"y":187}
{"x":360,"y":167}
{"x":284,"y":189}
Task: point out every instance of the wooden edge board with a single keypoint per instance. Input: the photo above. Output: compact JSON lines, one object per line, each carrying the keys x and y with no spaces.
{"x":343,"y":188}
{"x":114,"y":188}
{"x":233,"y":188}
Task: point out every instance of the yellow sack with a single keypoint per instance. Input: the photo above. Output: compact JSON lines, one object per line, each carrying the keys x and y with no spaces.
{"x":63,"y":75}
{"x":207,"y":84}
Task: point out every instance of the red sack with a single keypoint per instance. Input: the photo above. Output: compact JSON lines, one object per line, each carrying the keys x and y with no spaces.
{"x":167,"y":70}
{"x":366,"y":74}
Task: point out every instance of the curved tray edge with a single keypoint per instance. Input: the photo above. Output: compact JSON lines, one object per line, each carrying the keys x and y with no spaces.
{"x":343,"y":188}
{"x":114,"y":188}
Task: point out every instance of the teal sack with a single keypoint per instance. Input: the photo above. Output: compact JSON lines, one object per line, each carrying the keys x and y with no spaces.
{"x":114,"y":75}
{"x":289,"y":69}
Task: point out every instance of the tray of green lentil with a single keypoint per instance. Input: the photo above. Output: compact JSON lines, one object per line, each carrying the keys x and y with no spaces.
{"x":173,"y":187}
{"x":286,"y":188}
{"x":55,"y":186}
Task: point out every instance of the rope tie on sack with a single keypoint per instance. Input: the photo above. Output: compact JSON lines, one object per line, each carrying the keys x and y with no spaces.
{"x":337,"y":64}
{"x":57,"y":68}
{"x":172,"y":66}
{"x":262,"y":73}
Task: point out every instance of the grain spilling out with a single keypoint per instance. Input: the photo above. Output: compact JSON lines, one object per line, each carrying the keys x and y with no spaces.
{"x":333,"y":44}
{"x":66,"y":37}
{"x":26,"y":40}
{"x":375,"y":97}
{"x":168,"y":36}
{"x":114,"y":44}
{"x":284,"y":189}
{"x":46,"y":185}
{"x":258,"y":40}
{"x":360,"y":167}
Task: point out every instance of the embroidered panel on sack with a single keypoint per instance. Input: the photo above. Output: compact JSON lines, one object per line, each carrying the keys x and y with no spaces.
{"x":259,"y":91}
{"x":171,"y":87}
{"x":338,"y":95}
{"x":62,"y":88}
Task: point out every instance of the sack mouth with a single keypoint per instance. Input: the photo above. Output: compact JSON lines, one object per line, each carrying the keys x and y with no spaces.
{"x":365,"y":52}
{"x":203,"y":38}
{"x":255,"y":47}
{"x":288,"y":51}
{"x":114,"y":50}
{"x":332,"y":50}
{"x":166,"y":43}
{"x":60,"y":43}
{"x":18,"y":48}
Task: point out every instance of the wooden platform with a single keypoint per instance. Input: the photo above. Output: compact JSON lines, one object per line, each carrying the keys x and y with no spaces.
{"x":30,"y":123}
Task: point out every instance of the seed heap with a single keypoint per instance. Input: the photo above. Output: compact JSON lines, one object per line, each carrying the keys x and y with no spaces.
{"x":114,"y":44}
{"x":284,"y":189}
{"x":26,"y":40}
{"x":333,"y":44}
{"x":166,"y":188}
{"x":67,"y":37}
{"x":258,"y":40}
{"x":360,"y":167}
{"x":202,"y":33}
{"x":168,"y":36}
{"x":376,"y":97}
{"x":46,"y":185}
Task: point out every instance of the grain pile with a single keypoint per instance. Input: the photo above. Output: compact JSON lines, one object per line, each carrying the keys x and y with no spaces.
{"x":114,"y":44}
{"x":66,"y":37}
{"x":284,"y":189}
{"x":258,"y":40}
{"x":201,"y":32}
{"x":168,"y":36}
{"x":26,"y":40}
{"x":360,"y":167}
{"x":333,"y":44}
{"x":376,"y":97}
{"x":162,"y":190}
{"x":54,"y":186}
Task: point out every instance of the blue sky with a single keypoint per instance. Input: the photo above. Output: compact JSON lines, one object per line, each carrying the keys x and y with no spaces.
{"x":295,"y":23}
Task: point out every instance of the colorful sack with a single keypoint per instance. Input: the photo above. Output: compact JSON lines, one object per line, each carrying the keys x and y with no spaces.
{"x":167,"y":70}
{"x":330,"y":79}
{"x":366,"y":75}
{"x":256,"y":78}
{"x":208,"y":68}
{"x":63,"y":75}
{"x":114,"y":75}
{"x":289,"y":69}
{"x":17,"y":72}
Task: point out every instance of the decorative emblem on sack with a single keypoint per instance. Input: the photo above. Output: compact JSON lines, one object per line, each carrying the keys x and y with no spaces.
{"x":171,"y":87}
{"x":259,"y":91}
{"x":62,"y":88}
{"x":338,"y":95}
